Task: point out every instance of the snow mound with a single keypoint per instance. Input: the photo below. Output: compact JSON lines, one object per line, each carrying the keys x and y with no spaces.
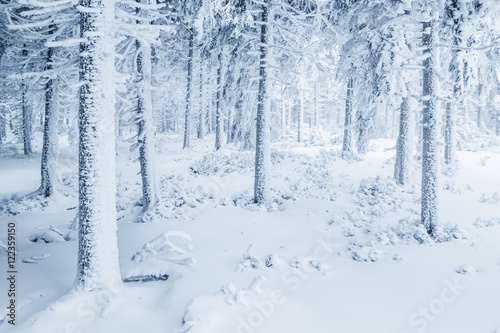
{"x":160,"y":258}
{"x":381,"y":195}
{"x":232,"y":309}
{"x":163,"y":247}
{"x":218,"y":164}
{"x":481,"y":223}
{"x":466,"y":270}
{"x":252,"y":261}
{"x":49,"y":235}
{"x":16,"y":205}
{"x":494,"y":199}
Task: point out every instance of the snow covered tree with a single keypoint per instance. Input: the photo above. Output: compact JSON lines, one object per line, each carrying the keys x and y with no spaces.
{"x":50,"y":26}
{"x":430,"y":122}
{"x":263,"y":137}
{"x":97,"y":244}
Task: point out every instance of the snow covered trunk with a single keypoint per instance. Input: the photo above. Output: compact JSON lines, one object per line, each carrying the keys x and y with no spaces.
{"x":49,"y":148}
{"x":263,"y":131}
{"x":457,"y":73}
{"x":3,"y":127}
{"x":146,"y":126}
{"x":28,"y":150}
{"x":480,"y":104}
{"x":362,"y":140}
{"x":315,"y":106}
{"x":236,"y":129}
{"x":199,"y":131}
{"x":208,"y":108}
{"x":348,"y":142}
{"x":430,"y":156}
{"x":187,"y":120}
{"x":97,"y":244}
{"x":218,"y":105}
{"x":498,"y":121}
{"x":404,"y":145}
{"x":450,"y":134}
{"x":283,"y":110}
{"x":300,"y":114}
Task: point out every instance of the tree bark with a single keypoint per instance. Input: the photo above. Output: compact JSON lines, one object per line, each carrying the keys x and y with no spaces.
{"x":200,"y":128}
{"x":404,"y":145}
{"x":348,"y":142}
{"x":218,"y":111}
{"x":49,"y":148}
{"x":98,"y":267}
{"x":187,"y":120}
{"x":263,"y":138}
{"x":430,"y":156}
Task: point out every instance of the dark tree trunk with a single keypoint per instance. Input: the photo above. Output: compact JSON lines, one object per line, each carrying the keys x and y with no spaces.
{"x":263,"y":138}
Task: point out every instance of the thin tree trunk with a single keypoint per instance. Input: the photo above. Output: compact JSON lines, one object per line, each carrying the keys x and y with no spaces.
{"x":218,"y":111}
{"x":315,"y":106}
{"x":238,"y":109}
{"x":300,"y":115}
{"x":187,"y":121}
{"x":283,"y":110}
{"x":404,"y":145}
{"x":200,"y":114}
{"x":348,"y":142}
{"x":263,"y":139}
{"x":49,"y":148}
{"x":362,"y":141}
{"x":146,"y":128}
{"x":430,"y":156}
{"x":28,"y":150}
{"x":98,"y":267}
{"x":450,"y":134}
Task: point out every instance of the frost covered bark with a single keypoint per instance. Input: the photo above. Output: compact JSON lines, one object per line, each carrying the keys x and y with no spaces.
{"x":200,"y":128}
{"x":404,"y":145}
{"x":146,"y":127}
{"x":218,"y":104}
{"x":348,"y":142}
{"x":263,"y":134}
{"x":49,"y":148}
{"x":300,"y":111}
{"x":430,"y":156}
{"x":455,"y":12}
{"x":187,"y":120}
{"x":28,"y":150}
{"x":97,"y":244}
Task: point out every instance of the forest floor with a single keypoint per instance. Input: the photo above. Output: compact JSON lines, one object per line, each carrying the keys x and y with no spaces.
{"x":338,"y":248}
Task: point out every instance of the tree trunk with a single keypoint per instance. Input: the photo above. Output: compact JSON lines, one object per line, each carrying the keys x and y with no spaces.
{"x":300,"y":114}
{"x":218,"y":111}
{"x":263,"y":139}
{"x":348,"y":143}
{"x":404,"y":145}
{"x":498,"y":122}
{"x":146,"y":127}
{"x":28,"y":150}
{"x":283,"y":110}
{"x":362,"y":141}
{"x":236,"y":129}
{"x":200,"y":114}
{"x":450,"y":134}
{"x":430,"y":156}
{"x":49,"y":148}
{"x":315,"y":102}
{"x":187,"y":121}
{"x":98,"y":267}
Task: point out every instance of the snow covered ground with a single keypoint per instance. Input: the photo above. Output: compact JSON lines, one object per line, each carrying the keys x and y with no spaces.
{"x":339,"y":248}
